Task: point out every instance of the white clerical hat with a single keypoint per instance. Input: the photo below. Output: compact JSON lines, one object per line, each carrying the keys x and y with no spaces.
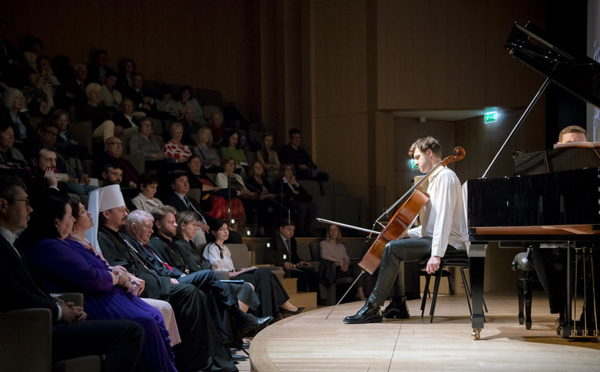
{"x":101,"y":200}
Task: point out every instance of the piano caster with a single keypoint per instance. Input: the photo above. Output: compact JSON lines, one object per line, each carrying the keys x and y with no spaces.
{"x":476,"y":335}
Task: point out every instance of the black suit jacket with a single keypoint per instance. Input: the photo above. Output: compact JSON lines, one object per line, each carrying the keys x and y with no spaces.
{"x":175,"y":201}
{"x":20,"y":288}
{"x":275,"y":254}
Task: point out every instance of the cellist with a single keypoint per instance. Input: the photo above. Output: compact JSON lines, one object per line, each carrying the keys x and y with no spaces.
{"x":442,"y":226}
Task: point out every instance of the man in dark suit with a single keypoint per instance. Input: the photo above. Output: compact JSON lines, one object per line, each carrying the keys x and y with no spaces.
{"x":283,"y":252}
{"x":142,"y":98}
{"x":179,"y":200}
{"x":120,"y":340}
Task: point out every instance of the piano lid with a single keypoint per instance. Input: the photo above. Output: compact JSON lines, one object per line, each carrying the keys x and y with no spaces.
{"x":580,"y":75}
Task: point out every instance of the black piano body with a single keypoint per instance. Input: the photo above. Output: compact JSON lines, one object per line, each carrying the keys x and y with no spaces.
{"x":548,"y":201}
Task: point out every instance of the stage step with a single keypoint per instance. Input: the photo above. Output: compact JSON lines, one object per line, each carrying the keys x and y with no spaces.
{"x":290,"y":285}
{"x":306,"y":299}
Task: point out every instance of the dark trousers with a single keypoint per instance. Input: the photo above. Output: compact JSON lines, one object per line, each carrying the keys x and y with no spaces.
{"x":201,"y":348}
{"x":552,"y":279}
{"x":119,"y":340}
{"x":394,"y":253}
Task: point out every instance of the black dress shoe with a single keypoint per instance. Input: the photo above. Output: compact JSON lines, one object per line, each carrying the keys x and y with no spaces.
{"x":367,"y":314}
{"x":254,"y":324}
{"x":396,"y":310}
{"x":289,"y":312}
{"x":238,"y":357}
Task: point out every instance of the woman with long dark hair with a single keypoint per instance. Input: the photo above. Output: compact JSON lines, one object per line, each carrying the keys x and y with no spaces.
{"x":67,"y":266}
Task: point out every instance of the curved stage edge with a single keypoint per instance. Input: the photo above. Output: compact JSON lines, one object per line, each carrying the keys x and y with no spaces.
{"x":309,"y":342}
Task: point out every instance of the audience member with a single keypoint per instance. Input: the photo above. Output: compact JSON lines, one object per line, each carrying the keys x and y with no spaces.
{"x":273,"y":297}
{"x":146,"y":201}
{"x":294,"y":153}
{"x":98,"y":67}
{"x":200,"y":347}
{"x":190,"y":126}
{"x":120,"y":341}
{"x":332,"y":250}
{"x":127,"y":68}
{"x":43,"y":178}
{"x":141,"y":97}
{"x":111,"y":98}
{"x":295,"y":199}
{"x":234,"y":186}
{"x":10,"y":157}
{"x":126,"y":119}
{"x":15,"y":103}
{"x":258,"y":184}
{"x":175,"y":149}
{"x":93,"y":111}
{"x":66,"y":143}
{"x":211,"y":161}
{"x":78,"y":181}
{"x":165,"y":104}
{"x":76,"y":91}
{"x":67,"y":266}
{"x":113,"y":152}
{"x":162,"y":247}
{"x":268,"y":157}
{"x":39,"y":97}
{"x":33,"y":49}
{"x":215,"y":123}
{"x":231,"y":149}
{"x":283,"y":252}
{"x":144,"y":142}
{"x":186,"y":98}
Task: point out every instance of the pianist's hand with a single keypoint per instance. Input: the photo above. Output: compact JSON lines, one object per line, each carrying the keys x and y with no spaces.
{"x":433,"y":264}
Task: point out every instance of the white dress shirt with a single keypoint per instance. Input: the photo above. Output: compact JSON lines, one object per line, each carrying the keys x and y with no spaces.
{"x":443,"y":219}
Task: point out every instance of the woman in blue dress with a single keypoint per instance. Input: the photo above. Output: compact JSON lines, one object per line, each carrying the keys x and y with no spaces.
{"x":67,"y":266}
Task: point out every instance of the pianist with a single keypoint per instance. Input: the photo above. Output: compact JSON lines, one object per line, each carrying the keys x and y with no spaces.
{"x":443,"y":225}
{"x":545,"y":260}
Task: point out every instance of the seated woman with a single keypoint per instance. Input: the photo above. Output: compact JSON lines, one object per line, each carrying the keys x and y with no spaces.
{"x":187,"y":260}
{"x":268,"y":157}
{"x":272,"y":295}
{"x":231,"y":149}
{"x":211,"y":161}
{"x":257,"y":183}
{"x":14,"y":102}
{"x":186,"y":98}
{"x":294,"y":197}
{"x":165,"y":104}
{"x":126,"y":121}
{"x":148,"y":186}
{"x":174,"y":149}
{"x":333,"y":250}
{"x":213,"y":199}
{"x":10,"y":157}
{"x":66,"y":265}
{"x":144,"y":142}
{"x":233,"y":185}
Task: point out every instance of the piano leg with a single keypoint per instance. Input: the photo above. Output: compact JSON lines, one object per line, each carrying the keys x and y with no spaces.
{"x":476,"y":271}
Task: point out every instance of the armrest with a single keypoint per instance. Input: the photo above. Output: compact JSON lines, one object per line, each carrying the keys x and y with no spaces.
{"x":74,"y":297}
{"x":26,"y":340}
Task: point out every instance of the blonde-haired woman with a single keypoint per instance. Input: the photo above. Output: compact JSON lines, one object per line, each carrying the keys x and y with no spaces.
{"x":174,"y":149}
{"x":333,"y":250}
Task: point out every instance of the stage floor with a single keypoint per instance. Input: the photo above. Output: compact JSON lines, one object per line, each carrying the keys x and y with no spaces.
{"x":309,"y":342}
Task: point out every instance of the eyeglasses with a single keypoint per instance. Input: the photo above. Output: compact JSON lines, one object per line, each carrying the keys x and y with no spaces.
{"x":118,"y":144}
{"x":20,"y":200}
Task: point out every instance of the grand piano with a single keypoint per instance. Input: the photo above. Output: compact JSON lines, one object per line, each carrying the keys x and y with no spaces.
{"x":553,"y":200}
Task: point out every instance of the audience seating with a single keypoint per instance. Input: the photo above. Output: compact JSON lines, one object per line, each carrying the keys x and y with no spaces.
{"x":328,"y":293}
{"x":26,"y":340}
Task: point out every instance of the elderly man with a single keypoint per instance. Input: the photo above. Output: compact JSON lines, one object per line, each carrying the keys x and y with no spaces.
{"x":76,"y":87}
{"x":119,"y":340}
{"x":113,"y":152}
{"x":201,"y":347}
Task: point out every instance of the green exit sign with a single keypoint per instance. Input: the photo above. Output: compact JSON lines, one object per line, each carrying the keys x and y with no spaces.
{"x":490,"y":117}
